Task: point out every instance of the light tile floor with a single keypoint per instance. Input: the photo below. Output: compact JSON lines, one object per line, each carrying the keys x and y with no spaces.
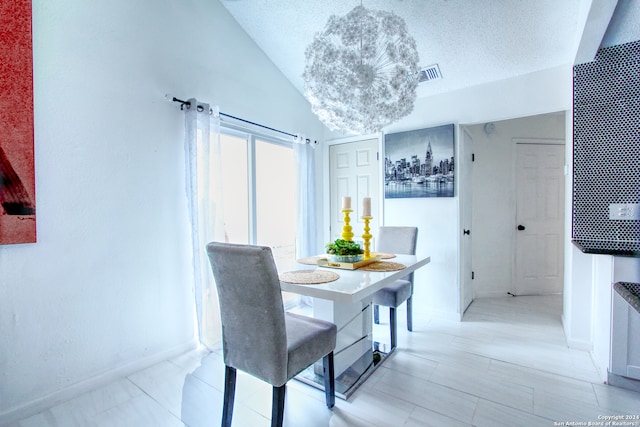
{"x":505,"y":364}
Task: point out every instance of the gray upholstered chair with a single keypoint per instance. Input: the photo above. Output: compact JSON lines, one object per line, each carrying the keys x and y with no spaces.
{"x":258,"y":337}
{"x":396,"y":240}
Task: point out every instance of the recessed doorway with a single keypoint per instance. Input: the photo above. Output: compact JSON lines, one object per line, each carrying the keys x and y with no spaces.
{"x":495,"y":200}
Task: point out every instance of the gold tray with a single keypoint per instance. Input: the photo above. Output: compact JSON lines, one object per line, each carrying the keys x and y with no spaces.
{"x":324,"y":262}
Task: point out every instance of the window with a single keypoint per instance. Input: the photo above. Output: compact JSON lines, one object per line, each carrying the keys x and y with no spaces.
{"x":259,"y":192}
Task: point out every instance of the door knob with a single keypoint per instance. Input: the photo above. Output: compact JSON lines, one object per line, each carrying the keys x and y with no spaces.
{"x":467,"y":232}
{"x":521,"y":227}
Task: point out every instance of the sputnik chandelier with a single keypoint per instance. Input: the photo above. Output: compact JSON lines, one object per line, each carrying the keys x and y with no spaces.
{"x":360,"y":71}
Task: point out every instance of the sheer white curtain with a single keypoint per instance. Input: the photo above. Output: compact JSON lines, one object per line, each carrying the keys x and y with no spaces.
{"x":204,"y":194}
{"x":307,"y":240}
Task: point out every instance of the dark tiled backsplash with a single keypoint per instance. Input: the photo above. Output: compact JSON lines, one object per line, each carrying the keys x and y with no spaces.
{"x":606,"y":149}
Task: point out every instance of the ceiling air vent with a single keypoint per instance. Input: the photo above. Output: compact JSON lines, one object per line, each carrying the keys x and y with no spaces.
{"x":427,"y":74}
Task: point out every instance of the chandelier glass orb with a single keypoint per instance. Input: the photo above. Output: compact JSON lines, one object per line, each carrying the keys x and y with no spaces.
{"x":360,"y":71}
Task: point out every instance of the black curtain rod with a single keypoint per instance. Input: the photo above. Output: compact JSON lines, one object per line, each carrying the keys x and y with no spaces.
{"x":188,"y":104}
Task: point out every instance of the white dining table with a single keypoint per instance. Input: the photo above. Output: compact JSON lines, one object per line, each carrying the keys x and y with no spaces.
{"x":347,"y":302}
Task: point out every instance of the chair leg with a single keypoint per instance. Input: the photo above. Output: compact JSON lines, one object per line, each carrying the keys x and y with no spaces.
{"x":229,"y":393}
{"x":393,"y":326}
{"x":329,"y":380}
{"x":410,"y":314}
{"x":376,"y":314}
{"x":277,"y":408}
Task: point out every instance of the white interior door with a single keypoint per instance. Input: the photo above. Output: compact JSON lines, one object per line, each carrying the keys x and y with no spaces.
{"x":465,"y":190}
{"x":354,"y":171}
{"x":539,"y":218}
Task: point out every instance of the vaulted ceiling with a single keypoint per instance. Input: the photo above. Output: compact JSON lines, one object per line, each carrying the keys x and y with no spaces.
{"x":472,"y":41}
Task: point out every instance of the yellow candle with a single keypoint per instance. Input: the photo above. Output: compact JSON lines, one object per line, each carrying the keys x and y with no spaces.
{"x":346,"y":202}
{"x":366,"y":206}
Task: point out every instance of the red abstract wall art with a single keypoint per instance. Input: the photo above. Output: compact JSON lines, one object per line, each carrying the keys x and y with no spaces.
{"x":17,"y":172}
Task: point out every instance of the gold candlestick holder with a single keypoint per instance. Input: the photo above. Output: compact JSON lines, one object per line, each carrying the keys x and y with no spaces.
{"x":347,"y":233}
{"x":367,"y":237}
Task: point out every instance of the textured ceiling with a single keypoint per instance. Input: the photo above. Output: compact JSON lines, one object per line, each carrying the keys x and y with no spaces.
{"x":472,"y":41}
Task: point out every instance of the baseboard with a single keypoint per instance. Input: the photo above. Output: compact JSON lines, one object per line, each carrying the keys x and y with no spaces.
{"x":491,"y":294}
{"x":40,"y":404}
{"x":623,"y":382}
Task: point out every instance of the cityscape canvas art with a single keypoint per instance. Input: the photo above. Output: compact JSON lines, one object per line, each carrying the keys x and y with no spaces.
{"x":419,"y":163}
{"x":17,"y":174}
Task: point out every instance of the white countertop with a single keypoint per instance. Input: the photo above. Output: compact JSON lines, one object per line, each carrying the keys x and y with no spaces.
{"x":354,"y":285}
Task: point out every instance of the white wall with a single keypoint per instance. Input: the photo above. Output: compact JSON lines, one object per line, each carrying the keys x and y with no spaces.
{"x":436,"y":285}
{"x":494,"y":197}
{"x":601,"y":309}
{"x":108,"y":286}
{"x":537,"y":93}
{"x":624,"y":26}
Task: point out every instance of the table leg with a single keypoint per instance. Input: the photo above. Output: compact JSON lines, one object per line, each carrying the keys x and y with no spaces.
{"x":354,"y":340}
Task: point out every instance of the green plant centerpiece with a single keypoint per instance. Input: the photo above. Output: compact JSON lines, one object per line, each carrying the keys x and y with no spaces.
{"x":344,"y":251}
